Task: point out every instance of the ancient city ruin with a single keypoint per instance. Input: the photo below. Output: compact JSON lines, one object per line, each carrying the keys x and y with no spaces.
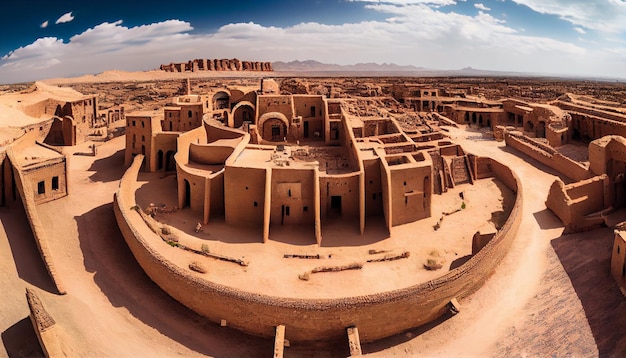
{"x":315,"y":216}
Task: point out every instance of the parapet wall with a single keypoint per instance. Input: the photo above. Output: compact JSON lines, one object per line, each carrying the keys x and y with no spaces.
{"x":39,"y":233}
{"x":376,"y":316}
{"x":548,"y":156}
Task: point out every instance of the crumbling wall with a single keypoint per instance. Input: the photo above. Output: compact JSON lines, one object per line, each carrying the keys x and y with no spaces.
{"x":573,"y":203}
{"x":234,"y":64}
{"x":376,"y":316}
{"x":548,"y":156}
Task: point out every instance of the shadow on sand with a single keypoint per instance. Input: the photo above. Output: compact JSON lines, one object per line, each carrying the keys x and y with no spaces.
{"x":547,"y":220}
{"x":20,"y":340}
{"x":102,"y":168}
{"x":586,"y":257}
{"x":125,"y":284}
{"x":406,"y":336}
{"x":28,"y":262}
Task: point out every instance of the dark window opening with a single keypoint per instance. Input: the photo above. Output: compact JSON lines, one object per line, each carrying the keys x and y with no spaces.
{"x":289,"y":193}
{"x":55,"y":183}
{"x":335,"y":205}
{"x":41,"y":187}
{"x":256,"y":204}
{"x":305,"y":209}
{"x":286,"y":211}
{"x":406,"y":200}
{"x":143,"y":124}
{"x":312,"y":111}
{"x":374,"y":196}
{"x":189,"y":114}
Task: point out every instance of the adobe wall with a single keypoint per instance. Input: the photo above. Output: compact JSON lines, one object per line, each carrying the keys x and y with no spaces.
{"x":373,"y":187}
{"x":552,"y":159}
{"x":293,"y":196}
{"x":590,"y":111}
{"x":410,"y":192}
{"x":376,"y":316}
{"x":618,"y":259}
{"x":279,"y":103}
{"x":344,"y":185}
{"x":573,"y":203}
{"x":215,"y":132}
{"x":244,"y":195}
{"x":44,"y":172}
{"x":25,"y":191}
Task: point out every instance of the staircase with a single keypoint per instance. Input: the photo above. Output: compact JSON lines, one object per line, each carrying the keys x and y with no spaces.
{"x":460,"y":173}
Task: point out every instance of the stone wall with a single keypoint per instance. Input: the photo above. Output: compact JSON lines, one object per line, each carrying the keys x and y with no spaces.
{"x":217,"y":65}
{"x":376,"y":316}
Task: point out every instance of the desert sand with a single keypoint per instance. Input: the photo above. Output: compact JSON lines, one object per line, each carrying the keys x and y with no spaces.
{"x":533,"y":300}
{"x":551,"y":296}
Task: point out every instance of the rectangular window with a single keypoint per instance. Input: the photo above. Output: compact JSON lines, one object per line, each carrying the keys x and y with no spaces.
{"x":41,"y":187}
{"x":286,"y":211}
{"x":55,"y":183}
{"x":305,"y":209}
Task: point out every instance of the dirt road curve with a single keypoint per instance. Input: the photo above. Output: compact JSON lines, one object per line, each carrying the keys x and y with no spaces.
{"x":552,"y":295}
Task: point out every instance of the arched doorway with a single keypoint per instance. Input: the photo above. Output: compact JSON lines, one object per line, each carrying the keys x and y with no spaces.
{"x":474,"y":118}
{"x":242,"y":112}
{"x":221,"y":100}
{"x":273,"y":127}
{"x":467,"y":117}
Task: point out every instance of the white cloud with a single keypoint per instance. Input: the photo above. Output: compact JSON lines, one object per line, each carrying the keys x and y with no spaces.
{"x":602,"y":15}
{"x":44,"y":24}
{"x":482,"y":7}
{"x":416,"y":34}
{"x":410,"y":2}
{"x":67,"y":17}
{"x":580,"y":30}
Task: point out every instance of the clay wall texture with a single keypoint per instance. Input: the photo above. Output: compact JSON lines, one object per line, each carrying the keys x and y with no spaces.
{"x":25,"y":191}
{"x":573,"y":203}
{"x":376,"y":316}
{"x":373,"y":188}
{"x":344,"y":186}
{"x":548,"y":156}
{"x":244,"y":196}
{"x":618,"y":259}
{"x":293,"y":196}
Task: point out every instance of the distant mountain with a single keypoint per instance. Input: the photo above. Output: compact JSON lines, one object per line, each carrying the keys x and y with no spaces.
{"x":316,"y":66}
{"x":387,"y":69}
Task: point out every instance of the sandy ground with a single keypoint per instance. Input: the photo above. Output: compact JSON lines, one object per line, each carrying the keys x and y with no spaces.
{"x":342,"y":244}
{"x":551,"y":296}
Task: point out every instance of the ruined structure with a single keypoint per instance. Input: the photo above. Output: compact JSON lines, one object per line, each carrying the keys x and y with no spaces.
{"x":217,"y":65}
{"x":238,"y":199}
{"x":263,"y":161}
{"x":73,"y":115}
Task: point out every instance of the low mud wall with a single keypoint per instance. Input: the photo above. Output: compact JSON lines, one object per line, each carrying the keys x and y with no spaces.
{"x":39,"y":233}
{"x":376,"y":316}
{"x":548,"y":156}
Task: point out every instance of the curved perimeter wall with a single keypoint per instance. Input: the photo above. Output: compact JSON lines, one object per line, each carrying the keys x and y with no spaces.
{"x":376,"y":316}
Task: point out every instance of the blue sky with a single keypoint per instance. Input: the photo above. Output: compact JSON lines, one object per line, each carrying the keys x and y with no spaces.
{"x":43,"y":39}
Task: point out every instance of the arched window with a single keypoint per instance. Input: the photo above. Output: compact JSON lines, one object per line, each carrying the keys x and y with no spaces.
{"x":189,"y":114}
